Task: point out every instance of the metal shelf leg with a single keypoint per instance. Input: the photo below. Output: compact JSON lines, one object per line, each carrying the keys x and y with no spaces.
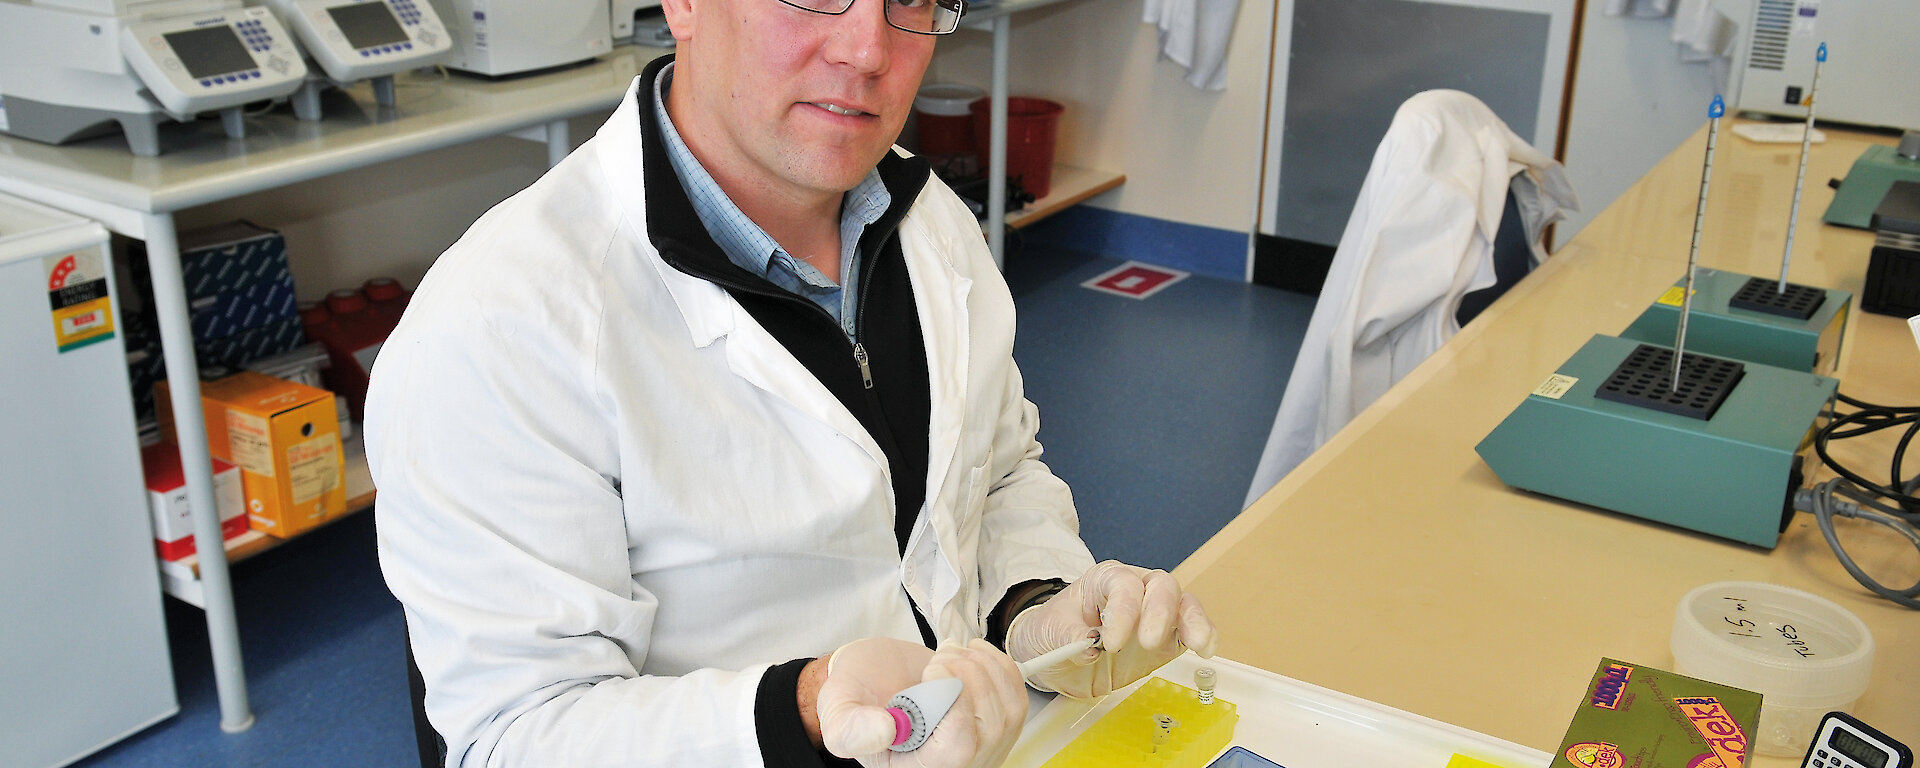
{"x":183,"y":383}
{"x":997,"y":146}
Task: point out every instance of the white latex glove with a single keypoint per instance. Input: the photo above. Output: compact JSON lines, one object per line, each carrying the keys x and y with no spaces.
{"x":1143,"y":617}
{"x":978,"y":732}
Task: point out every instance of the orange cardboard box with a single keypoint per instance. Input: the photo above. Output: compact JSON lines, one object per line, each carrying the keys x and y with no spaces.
{"x":286,"y":439}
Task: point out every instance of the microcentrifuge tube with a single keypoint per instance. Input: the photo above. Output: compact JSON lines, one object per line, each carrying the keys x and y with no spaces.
{"x":1162,"y":730}
{"x":1203,"y":680}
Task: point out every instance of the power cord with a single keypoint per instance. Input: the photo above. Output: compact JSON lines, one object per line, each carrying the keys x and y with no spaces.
{"x":1852,"y":495}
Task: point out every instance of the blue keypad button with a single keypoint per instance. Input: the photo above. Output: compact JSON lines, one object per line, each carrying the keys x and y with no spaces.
{"x":408,"y":46}
{"x":365,"y":53}
{"x":206,"y":83}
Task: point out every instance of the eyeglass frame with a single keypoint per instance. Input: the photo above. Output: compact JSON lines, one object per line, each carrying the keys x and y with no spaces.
{"x":959,"y":10}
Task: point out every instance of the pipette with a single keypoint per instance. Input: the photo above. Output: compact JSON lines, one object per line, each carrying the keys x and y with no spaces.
{"x":1055,"y":657}
{"x":1714,"y":111}
{"x":917,"y":710}
{"x":1806,"y":140}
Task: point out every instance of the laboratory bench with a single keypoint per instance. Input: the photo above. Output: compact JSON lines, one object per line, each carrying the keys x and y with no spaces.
{"x":138,"y":197}
{"x":1393,"y":565}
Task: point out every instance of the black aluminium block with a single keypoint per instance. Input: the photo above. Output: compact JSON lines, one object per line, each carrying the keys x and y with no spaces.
{"x":1645,"y":379}
{"x":1763,"y":295}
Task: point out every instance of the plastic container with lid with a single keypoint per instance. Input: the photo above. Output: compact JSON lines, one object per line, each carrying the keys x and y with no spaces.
{"x":1805,"y":654}
{"x":1032,"y":126}
{"x":944,"y":124}
{"x":352,"y":324}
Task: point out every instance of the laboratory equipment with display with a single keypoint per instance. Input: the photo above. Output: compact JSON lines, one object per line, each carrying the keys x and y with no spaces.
{"x":354,"y":40}
{"x":1776,"y":63}
{"x":74,"y":69}
{"x":497,"y":38}
{"x":624,"y":13}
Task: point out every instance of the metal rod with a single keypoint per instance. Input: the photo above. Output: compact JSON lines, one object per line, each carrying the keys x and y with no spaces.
{"x":558,"y":142}
{"x":196,"y":464}
{"x":1714,"y":112}
{"x":1799,"y":180}
{"x":997,"y":142}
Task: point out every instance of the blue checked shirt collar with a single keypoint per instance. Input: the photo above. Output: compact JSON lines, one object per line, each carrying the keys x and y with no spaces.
{"x":751,"y":248}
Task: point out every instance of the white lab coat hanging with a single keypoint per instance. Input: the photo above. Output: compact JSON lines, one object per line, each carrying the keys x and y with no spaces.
{"x":1420,"y":237}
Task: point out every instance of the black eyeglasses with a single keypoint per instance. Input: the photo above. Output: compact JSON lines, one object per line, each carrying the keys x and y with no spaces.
{"x":921,"y":17}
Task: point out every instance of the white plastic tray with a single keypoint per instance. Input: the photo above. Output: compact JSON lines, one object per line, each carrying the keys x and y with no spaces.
{"x":1291,"y":723}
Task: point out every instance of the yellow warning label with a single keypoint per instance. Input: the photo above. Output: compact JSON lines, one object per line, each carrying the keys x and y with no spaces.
{"x":315,"y":468}
{"x":1555,"y":386}
{"x":251,"y":442}
{"x":82,"y":324}
{"x":1674,"y":296}
{"x":77,"y":293}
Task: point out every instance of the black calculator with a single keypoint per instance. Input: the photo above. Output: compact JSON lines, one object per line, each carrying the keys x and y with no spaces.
{"x":1844,"y":742}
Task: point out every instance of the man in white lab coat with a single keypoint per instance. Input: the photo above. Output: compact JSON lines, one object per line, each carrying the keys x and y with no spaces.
{"x":690,"y":451}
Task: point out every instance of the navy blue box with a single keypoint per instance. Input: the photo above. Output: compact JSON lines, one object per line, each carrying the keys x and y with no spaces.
{"x":235,"y":351}
{"x":247,"y":306}
{"x":222,"y":258}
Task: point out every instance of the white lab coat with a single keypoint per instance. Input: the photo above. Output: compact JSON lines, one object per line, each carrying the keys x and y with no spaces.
{"x":609,"y":499}
{"x":1420,"y":237}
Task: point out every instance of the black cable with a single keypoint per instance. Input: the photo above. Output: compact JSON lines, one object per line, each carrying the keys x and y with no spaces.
{"x":1852,"y":495}
{"x":1873,"y":420}
{"x":1866,"y":405}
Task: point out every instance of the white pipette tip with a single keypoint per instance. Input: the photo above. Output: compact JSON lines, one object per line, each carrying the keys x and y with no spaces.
{"x":1055,"y":657}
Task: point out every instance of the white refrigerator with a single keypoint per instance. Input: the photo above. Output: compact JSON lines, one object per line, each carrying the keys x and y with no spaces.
{"x":83,"y":643}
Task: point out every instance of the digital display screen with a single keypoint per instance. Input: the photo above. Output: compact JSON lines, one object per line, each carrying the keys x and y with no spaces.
{"x":368,"y":24}
{"x":210,"y":51}
{"x":1859,"y":749}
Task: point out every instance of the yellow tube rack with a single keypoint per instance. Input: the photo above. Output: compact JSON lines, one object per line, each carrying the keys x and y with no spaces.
{"x":1126,"y":735}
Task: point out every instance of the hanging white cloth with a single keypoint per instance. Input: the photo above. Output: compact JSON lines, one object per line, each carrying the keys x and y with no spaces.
{"x":1703,"y":30}
{"x":1194,"y":34}
{"x":1643,"y":8}
{"x":1420,"y":237}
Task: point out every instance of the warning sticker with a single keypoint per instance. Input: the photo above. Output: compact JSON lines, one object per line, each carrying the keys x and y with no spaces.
{"x":250,"y":442}
{"x":1555,"y":386}
{"x":77,"y":293}
{"x":1673,"y":296}
{"x":315,"y":468}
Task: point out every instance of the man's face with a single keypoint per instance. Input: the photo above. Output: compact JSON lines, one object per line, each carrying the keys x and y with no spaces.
{"x":789,"y":102}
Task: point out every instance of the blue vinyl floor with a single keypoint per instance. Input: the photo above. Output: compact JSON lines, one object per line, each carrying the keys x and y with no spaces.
{"x":1154,"y":410}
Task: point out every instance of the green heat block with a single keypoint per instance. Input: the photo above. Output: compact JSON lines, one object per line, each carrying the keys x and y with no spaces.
{"x":1871,"y":176}
{"x":1730,"y":474}
{"x":1747,"y":318}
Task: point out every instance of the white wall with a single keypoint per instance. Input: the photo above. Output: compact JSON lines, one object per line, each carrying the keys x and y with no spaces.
{"x":1190,"y":156}
{"x":1633,"y":102}
{"x":390,"y":220}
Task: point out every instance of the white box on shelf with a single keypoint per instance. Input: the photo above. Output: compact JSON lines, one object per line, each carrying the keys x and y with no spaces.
{"x":167,"y":500}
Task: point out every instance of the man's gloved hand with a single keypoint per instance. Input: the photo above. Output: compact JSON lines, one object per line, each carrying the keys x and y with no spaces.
{"x":977,"y":732}
{"x":1144,"y":619}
